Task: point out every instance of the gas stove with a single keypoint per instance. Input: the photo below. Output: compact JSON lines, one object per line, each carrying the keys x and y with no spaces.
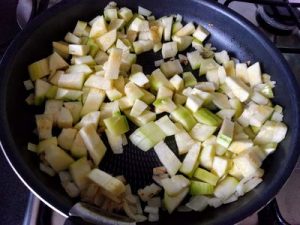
{"x":279,"y":20}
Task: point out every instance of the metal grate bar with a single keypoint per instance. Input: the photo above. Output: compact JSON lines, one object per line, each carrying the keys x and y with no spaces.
{"x":289,"y":50}
{"x":291,"y":7}
{"x":265,"y":2}
{"x":295,"y":13}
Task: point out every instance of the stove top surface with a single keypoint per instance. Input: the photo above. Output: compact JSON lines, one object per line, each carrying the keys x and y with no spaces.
{"x":14,"y":195}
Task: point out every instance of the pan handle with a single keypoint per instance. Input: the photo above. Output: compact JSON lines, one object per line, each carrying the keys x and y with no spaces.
{"x":72,"y":220}
{"x":86,"y":214}
{"x":270,"y":214}
{"x":80,"y":214}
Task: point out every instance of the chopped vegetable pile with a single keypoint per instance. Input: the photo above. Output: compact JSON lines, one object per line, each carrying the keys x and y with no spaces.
{"x":224,"y":126}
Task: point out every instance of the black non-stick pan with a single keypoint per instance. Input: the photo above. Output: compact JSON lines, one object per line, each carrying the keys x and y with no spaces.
{"x":228,"y":30}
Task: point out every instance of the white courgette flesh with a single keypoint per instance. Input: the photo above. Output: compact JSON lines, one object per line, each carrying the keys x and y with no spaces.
{"x":171,"y":68}
{"x":184,"y":142}
{"x":167,"y":23}
{"x":158,"y":79}
{"x":201,"y":132}
{"x":177,"y":82}
{"x":167,"y":158}
{"x":207,"y":156}
{"x":109,"y":183}
{"x":44,"y":144}
{"x":91,"y":118}
{"x":224,"y":123}
{"x":271,"y":132}
{"x":78,"y":148}
{"x":247,"y":162}
{"x":79,"y":171}
{"x":147,"y":136}
{"x":167,"y":126}
{"x":39,"y":69}
{"x":171,"y":203}
{"x":93,"y":101}
{"x":183,"y":42}
{"x":191,"y":162}
{"x":73,"y":81}
{"x":206,"y":176}
{"x":184,"y":116}
{"x":220,"y":166}
{"x":139,"y":79}
{"x":169,"y":49}
{"x":113,"y":64}
{"x":138,"y":108}
{"x":66,"y":137}
{"x":115,"y":142}
{"x":58,"y":159}
{"x":254,"y":74}
{"x":99,"y":82}
{"x":186,"y":30}
{"x":174,"y":185}
{"x":226,"y":133}
{"x":197,"y":203}
{"x":44,"y":126}
{"x":239,"y":89}
{"x":226,"y":188}
{"x":201,"y":33}
{"x":194,"y":59}
{"x":41,"y":90}
{"x":93,"y":143}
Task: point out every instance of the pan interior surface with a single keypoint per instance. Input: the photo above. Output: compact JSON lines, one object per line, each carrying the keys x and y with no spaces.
{"x":228,"y":31}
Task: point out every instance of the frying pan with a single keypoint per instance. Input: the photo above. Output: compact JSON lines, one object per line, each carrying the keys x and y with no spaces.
{"x":229,"y":31}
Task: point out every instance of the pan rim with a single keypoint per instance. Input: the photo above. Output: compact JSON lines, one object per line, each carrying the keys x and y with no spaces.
{"x":37,"y":186}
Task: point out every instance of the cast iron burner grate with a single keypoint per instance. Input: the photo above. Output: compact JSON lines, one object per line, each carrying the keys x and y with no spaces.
{"x":281,"y":17}
{"x":286,"y":17}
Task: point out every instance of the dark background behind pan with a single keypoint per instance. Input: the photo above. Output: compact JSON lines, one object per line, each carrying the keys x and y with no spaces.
{"x":229,"y":32}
